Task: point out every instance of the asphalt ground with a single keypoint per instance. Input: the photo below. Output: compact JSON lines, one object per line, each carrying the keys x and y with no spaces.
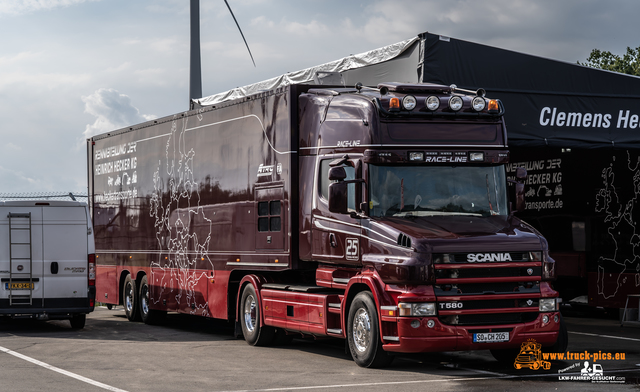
{"x":195,"y":354}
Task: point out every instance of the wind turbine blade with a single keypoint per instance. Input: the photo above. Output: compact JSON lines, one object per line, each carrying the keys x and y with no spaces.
{"x":245,"y":41}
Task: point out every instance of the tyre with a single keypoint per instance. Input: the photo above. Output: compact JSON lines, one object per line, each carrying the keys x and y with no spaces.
{"x":130,"y":299}
{"x":363,"y":333}
{"x":254,"y":333}
{"x":78,"y":321}
{"x":506,"y":355}
{"x":147,"y":315}
{"x":562,"y":343}
{"x":109,"y":306}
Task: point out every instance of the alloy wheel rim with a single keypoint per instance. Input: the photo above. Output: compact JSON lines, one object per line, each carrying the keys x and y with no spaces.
{"x":250,"y":313}
{"x":361,"y":330}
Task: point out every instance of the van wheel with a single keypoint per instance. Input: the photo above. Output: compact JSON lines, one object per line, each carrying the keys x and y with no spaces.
{"x":78,"y":321}
{"x":130,"y":299}
{"x":254,"y":333}
{"x":363,"y":333}
{"x":148,"y":316}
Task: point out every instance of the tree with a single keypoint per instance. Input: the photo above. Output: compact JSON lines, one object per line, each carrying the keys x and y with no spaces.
{"x":629,"y":63}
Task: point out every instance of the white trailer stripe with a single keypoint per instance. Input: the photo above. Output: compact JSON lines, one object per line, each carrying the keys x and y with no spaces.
{"x":605,"y":336}
{"x":61,"y":371}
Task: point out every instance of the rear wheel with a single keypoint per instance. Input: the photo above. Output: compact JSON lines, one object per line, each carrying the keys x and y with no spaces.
{"x":148,"y":316}
{"x":254,"y":333}
{"x":130,"y":299}
{"x":78,"y":321}
{"x":363,"y":333}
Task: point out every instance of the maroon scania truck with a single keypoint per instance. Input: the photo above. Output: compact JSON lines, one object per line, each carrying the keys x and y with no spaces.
{"x":376,"y":215}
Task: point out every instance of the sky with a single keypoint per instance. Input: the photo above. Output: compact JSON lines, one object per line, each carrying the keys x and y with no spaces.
{"x":70,"y":69}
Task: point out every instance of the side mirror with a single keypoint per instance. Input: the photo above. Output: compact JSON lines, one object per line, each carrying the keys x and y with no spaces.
{"x":520,"y":204}
{"x":338,"y":195}
{"x":337,"y":173}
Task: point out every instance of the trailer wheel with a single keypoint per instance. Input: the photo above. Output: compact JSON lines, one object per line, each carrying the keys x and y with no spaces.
{"x":78,"y":321}
{"x":363,"y":333}
{"x":130,"y":299}
{"x":148,"y":316}
{"x":254,"y":333}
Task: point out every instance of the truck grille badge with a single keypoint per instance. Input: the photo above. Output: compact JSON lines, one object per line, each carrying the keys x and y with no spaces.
{"x":529,"y":302}
{"x":529,"y":271}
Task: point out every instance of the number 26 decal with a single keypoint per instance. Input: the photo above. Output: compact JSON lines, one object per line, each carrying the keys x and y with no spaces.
{"x":352,"y":249}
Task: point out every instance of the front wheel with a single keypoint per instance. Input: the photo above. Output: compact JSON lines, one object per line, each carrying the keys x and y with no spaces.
{"x":363,"y":333}
{"x":148,"y":316}
{"x":254,"y":333}
{"x":130,"y":299}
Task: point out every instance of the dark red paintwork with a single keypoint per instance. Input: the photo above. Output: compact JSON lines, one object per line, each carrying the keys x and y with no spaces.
{"x":208,"y":201}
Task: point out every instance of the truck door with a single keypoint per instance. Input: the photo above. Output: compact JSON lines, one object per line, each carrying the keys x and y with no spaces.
{"x":335,"y":237}
{"x":21,"y":267}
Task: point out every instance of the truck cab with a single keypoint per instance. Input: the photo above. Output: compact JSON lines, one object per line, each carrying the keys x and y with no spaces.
{"x":410,"y":201}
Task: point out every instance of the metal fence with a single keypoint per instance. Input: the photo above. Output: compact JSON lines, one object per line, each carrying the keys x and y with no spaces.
{"x":76,"y":196}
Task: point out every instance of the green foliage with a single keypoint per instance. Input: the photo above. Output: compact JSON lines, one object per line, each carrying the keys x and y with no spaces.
{"x":629,"y":63}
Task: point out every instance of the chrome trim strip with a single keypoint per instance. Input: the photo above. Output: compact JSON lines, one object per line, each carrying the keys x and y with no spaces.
{"x":391,"y":338}
{"x":243,"y":264}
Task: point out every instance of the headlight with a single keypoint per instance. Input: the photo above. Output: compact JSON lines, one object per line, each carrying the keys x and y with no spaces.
{"x":417,"y":309}
{"x":433,"y":103}
{"x":409,"y":102}
{"x":547,"y":305}
{"x":478,"y":104}
{"x":455,"y":103}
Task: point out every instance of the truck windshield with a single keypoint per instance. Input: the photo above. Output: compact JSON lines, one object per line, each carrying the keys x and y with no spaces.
{"x":437,"y":190}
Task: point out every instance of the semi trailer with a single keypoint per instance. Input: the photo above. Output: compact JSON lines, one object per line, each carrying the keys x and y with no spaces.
{"x":382,"y":216}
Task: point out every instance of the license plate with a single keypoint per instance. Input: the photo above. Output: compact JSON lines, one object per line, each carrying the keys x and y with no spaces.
{"x":18,"y":286}
{"x":491,"y":337}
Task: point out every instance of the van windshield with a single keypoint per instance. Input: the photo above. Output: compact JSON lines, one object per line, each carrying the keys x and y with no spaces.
{"x":437,"y":190}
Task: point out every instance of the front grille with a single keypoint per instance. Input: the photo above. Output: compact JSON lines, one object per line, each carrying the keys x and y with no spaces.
{"x":530,"y":303}
{"x":488,"y":319}
{"x":461,"y":273}
{"x":487,"y":257}
{"x":486,"y":288}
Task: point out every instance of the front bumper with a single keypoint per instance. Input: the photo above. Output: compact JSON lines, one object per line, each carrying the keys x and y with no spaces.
{"x":442,"y":337}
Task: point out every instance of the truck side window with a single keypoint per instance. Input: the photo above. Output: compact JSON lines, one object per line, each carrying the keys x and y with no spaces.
{"x":269,"y":216}
{"x":324,"y":182}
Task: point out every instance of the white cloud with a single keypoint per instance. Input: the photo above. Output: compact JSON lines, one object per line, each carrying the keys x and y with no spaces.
{"x":19,"y":7}
{"x":112,"y":111}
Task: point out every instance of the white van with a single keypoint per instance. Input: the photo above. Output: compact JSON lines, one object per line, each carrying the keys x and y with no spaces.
{"x":47,"y":260}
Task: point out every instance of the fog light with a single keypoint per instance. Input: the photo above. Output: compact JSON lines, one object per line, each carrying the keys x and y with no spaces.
{"x":433,"y":103}
{"x":431,"y":323}
{"x":478,"y":104}
{"x":415,"y":323}
{"x":556,"y":318}
{"x":409,"y":102}
{"x":455,"y":103}
{"x":545,"y":319}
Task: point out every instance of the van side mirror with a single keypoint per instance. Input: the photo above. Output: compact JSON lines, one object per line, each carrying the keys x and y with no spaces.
{"x":338,"y":195}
